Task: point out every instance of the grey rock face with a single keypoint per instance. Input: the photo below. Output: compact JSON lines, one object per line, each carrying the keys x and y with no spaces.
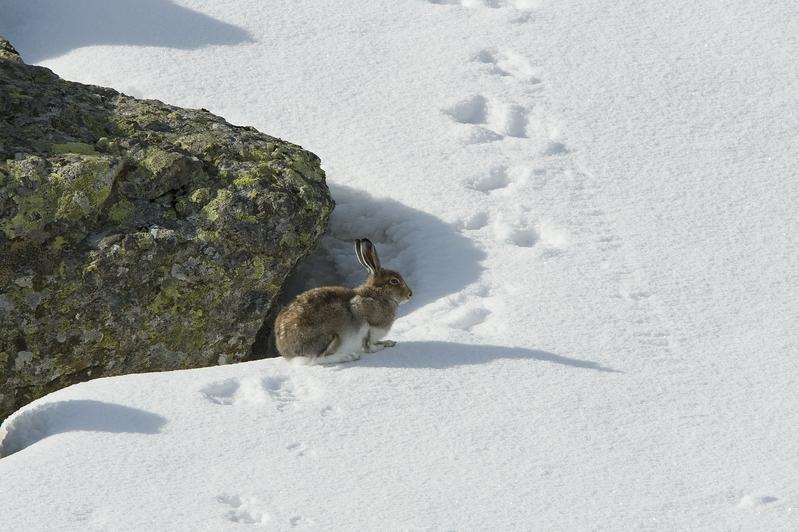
{"x":137,"y":236}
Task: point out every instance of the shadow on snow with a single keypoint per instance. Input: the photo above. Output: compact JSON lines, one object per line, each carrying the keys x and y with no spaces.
{"x":44,"y":29}
{"x":40,"y":422}
{"x":443,"y":355}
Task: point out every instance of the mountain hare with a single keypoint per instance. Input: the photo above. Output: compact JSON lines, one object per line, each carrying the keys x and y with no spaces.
{"x":336,"y":324}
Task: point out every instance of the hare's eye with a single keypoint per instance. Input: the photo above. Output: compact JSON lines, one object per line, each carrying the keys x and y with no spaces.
{"x":394,"y":281}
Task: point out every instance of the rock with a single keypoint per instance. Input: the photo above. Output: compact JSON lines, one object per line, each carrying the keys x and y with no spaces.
{"x":8,"y":52}
{"x":137,"y":236}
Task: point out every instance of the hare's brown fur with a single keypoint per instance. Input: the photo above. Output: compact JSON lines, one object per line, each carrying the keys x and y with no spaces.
{"x":325,"y":320}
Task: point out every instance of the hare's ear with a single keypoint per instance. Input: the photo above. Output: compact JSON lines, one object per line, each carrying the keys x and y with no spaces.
{"x":369,"y":253}
{"x":360,"y":254}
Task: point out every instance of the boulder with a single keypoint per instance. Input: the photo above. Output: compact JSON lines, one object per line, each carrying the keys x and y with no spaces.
{"x":137,"y":236}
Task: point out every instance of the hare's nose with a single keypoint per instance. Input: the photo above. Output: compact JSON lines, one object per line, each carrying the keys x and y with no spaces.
{"x":410,"y":292}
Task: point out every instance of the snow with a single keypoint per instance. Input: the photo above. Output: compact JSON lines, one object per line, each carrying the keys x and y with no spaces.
{"x":595,"y":207}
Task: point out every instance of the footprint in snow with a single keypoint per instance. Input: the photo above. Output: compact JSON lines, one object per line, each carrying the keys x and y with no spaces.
{"x":493,"y":118}
{"x":300,"y":521}
{"x":496,"y":178}
{"x":539,"y":178}
{"x":472,"y":110}
{"x":511,"y":120}
{"x":466,"y":310}
{"x":554,"y":148}
{"x":522,"y":231}
{"x":519,"y":5}
{"x":330,"y":411}
{"x":221,"y":393}
{"x":474,"y":221}
{"x":244,"y":510}
{"x":751,"y":502}
{"x":280,"y":391}
{"x":467,"y":318}
{"x":481,"y":135}
{"x":500,"y":176}
{"x":300,"y":449}
{"x":508,"y":63}
{"x":523,"y":235}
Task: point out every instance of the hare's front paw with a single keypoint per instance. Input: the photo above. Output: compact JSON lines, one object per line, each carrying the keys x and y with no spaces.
{"x":338,"y":358}
{"x":379,"y":346}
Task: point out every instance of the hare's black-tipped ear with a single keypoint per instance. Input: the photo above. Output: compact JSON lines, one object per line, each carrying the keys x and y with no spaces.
{"x":359,"y":253}
{"x":369,"y":252}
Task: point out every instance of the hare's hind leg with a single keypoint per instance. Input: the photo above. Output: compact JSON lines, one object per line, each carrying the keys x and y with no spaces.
{"x":326,"y":355}
{"x":331,"y":354}
{"x":332,"y":346}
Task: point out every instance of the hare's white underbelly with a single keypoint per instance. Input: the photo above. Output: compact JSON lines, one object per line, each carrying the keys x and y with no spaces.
{"x":352,"y":340}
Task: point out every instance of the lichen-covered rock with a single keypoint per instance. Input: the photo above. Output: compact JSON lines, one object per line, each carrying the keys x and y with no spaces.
{"x":137,"y":236}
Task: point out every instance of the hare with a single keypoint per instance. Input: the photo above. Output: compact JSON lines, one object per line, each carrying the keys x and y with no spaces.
{"x":336,"y":324}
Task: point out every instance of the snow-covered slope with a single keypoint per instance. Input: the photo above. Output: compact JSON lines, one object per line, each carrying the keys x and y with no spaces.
{"x":595,"y":206}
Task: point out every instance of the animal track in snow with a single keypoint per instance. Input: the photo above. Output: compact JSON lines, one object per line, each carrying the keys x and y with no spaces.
{"x":299,"y":520}
{"x":481,"y":135}
{"x":751,"y":502}
{"x":330,"y":411}
{"x":496,"y":119}
{"x":300,"y":449}
{"x":555,"y":148}
{"x":538,"y":178}
{"x":466,"y":3}
{"x":248,"y":511}
{"x":520,"y":5}
{"x":544,"y":129}
{"x":494,"y":179}
{"x":507,"y":63}
{"x":475,"y":221}
{"x":279,"y":390}
{"x":466,"y":310}
{"x":523,"y":237}
{"x":472,"y":110}
{"x":465,"y":318}
{"x":221,"y":393}
{"x":520,"y":231}
{"x":519,"y":234}
{"x":525,"y":5}
{"x":511,"y":120}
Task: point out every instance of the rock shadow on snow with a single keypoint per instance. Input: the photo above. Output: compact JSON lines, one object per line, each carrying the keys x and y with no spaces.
{"x":40,"y":422}
{"x":43,"y":29}
{"x":444,"y":355}
{"x":432,"y":255}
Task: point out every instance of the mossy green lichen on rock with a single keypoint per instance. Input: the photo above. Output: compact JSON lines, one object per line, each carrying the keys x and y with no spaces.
{"x":135,"y":235}
{"x":74,"y":147}
{"x":121,"y":212}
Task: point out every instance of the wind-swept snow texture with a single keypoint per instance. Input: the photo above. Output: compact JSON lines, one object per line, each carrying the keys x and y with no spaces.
{"x":595,"y":204}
